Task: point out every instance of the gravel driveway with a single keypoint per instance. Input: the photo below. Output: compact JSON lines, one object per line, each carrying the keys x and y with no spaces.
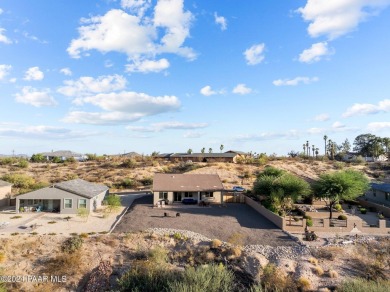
{"x":212,"y":222}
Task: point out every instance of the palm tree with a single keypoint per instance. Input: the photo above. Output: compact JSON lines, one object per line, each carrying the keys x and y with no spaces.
{"x":304,"y":149}
{"x":325,"y":138}
{"x":308,"y":148}
{"x":317,"y":149}
{"x":203,"y":150}
{"x":221,"y":147}
{"x":210,"y":150}
{"x":312,"y":149}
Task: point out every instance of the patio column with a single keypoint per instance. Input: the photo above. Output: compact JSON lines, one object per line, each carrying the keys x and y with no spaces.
{"x":198,"y":197}
{"x":17,"y":205}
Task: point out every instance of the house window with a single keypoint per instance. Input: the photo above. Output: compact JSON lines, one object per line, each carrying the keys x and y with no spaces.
{"x":163,"y":195}
{"x":387,"y":195}
{"x":83,"y":203}
{"x":208,"y":194}
{"x":68,"y":203}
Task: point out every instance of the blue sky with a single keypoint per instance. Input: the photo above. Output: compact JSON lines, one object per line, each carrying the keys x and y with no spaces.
{"x":110,"y":76}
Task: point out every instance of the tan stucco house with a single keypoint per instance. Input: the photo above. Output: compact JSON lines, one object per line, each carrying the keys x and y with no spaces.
{"x":5,"y":193}
{"x":379,"y":193}
{"x":178,"y":187}
{"x":65,"y":197}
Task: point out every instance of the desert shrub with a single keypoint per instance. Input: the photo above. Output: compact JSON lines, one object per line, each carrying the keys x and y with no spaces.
{"x":363,"y":210}
{"x":158,"y":255}
{"x":313,"y":261}
{"x":339,"y":165}
{"x":342,"y":217}
{"x":236,"y":239}
{"x":22,"y":181}
{"x":338,"y":207}
{"x":333,"y":274}
{"x":360,"y":285}
{"x":65,"y":264}
{"x":129,"y":163}
{"x":359,"y":160}
{"x":215,"y":243}
{"x":72,"y":244}
{"x":16,"y":217}
{"x":328,"y":253}
{"x":83,"y":235}
{"x":304,"y":283}
{"x":146,"y":181}
{"x":212,"y":278}
{"x":319,"y":271}
{"x":14,"y":233}
{"x":23,"y":163}
{"x":127,"y":183}
{"x":52,"y":222}
{"x":83,"y":213}
{"x":177,"y":236}
{"x":309,"y":222}
{"x":235,"y":252}
{"x":274,"y":279}
{"x":8,"y":160}
{"x":144,"y":276}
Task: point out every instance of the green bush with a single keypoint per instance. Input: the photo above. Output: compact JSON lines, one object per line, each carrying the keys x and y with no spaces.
{"x":72,"y":244}
{"x":363,"y":210}
{"x":360,"y":285}
{"x":158,"y":255}
{"x":309,"y":222}
{"x":212,"y":278}
{"x":338,"y":207}
{"x":23,"y":163}
{"x":22,"y":181}
{"x":342,"y":217}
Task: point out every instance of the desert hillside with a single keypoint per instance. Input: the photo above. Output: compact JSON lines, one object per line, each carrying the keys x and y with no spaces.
{"x":121,"y":173}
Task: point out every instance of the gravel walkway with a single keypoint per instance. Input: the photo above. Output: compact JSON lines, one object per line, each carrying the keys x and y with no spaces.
{"x":212,"y":222}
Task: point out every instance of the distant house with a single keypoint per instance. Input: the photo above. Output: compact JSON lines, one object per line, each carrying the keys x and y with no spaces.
{"x":177,"y":187}
{"x":65,"y":197}
{"x":5,"y":193}
{"x":352,"y":156}
{"x":379,"y":193}
{"x":63,"y":155}
{"x":131,"y":154}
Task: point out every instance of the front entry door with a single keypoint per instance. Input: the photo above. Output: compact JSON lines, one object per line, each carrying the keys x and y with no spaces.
{"x":177,"y":196}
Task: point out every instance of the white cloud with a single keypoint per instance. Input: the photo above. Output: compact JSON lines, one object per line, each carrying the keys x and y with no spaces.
{"x":42,"y":132}
{"x":3,"y":38}
{"x":4,"y":71}
{"x":1,"y":11}
{"x":207,"y":91}
{"x":66,"y":71}
{"x":193,"y":134}
{"x":146,"y":66}
{"x":316,"y":52}
{"x":295,"y":81}
{"x":334,"y":18}
{"x":322,"y":117}
{"x":137,"y":35}
{"x":32,"y":96}
{"x":34,"y":73}
{"x":378,"y":126}
{"x":292,"y":134}
{"x":367,"y":108}
{"x":255,"y":54}
{"x":242,"y":89}
{"x":316,"y":131}
{"x":88,"y":85}
{"x":221,"y":21}
{"x":136,"y":6}
{"x":338,"y":125}
{"x":122,"y":107}
{"x":172,"y":125}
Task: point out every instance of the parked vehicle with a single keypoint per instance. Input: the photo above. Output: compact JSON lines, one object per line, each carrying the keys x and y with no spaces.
{"x":238,"y":189}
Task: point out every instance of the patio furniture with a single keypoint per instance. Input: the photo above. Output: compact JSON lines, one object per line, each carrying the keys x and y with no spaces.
{"x":189,"y":201}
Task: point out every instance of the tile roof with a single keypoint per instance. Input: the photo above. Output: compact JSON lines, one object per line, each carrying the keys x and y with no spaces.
{"x":186,"y":182}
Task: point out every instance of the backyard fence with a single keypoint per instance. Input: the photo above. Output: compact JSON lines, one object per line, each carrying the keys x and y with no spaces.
{"x":319,"y":224}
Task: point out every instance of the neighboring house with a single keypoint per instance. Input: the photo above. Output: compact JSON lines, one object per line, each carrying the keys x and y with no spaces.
{"x":5,"y":193}
{"x":65,"y":197}
{"x":379,"y":193}
{"x":176,"y":187}
{"x":63,"y":155}
{"x":352,"y":156}
{"x":131,"y":154}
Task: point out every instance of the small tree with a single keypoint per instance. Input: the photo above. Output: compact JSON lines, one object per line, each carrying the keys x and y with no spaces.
{"x":340,"y":185}
{"x":221,"y":147}
{"x":210,"y":150}
{"x":113,"y":203}
{"x":83,"y":213}
{"x":203,"y":150}
{"x":189,"y":151}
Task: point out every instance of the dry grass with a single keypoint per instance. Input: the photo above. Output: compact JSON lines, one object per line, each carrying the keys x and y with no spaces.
{"x":65,"y":264}
{"x":313,"y":261}
{"x":319,"y":271}
{"x":3,"y":257}
{"x":215,"y":243}
{"x":333,"y":274}
{"x":304,"y":284}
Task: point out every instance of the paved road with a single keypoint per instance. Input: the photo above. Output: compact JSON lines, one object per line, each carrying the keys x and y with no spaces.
{"x":213,"y":222}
